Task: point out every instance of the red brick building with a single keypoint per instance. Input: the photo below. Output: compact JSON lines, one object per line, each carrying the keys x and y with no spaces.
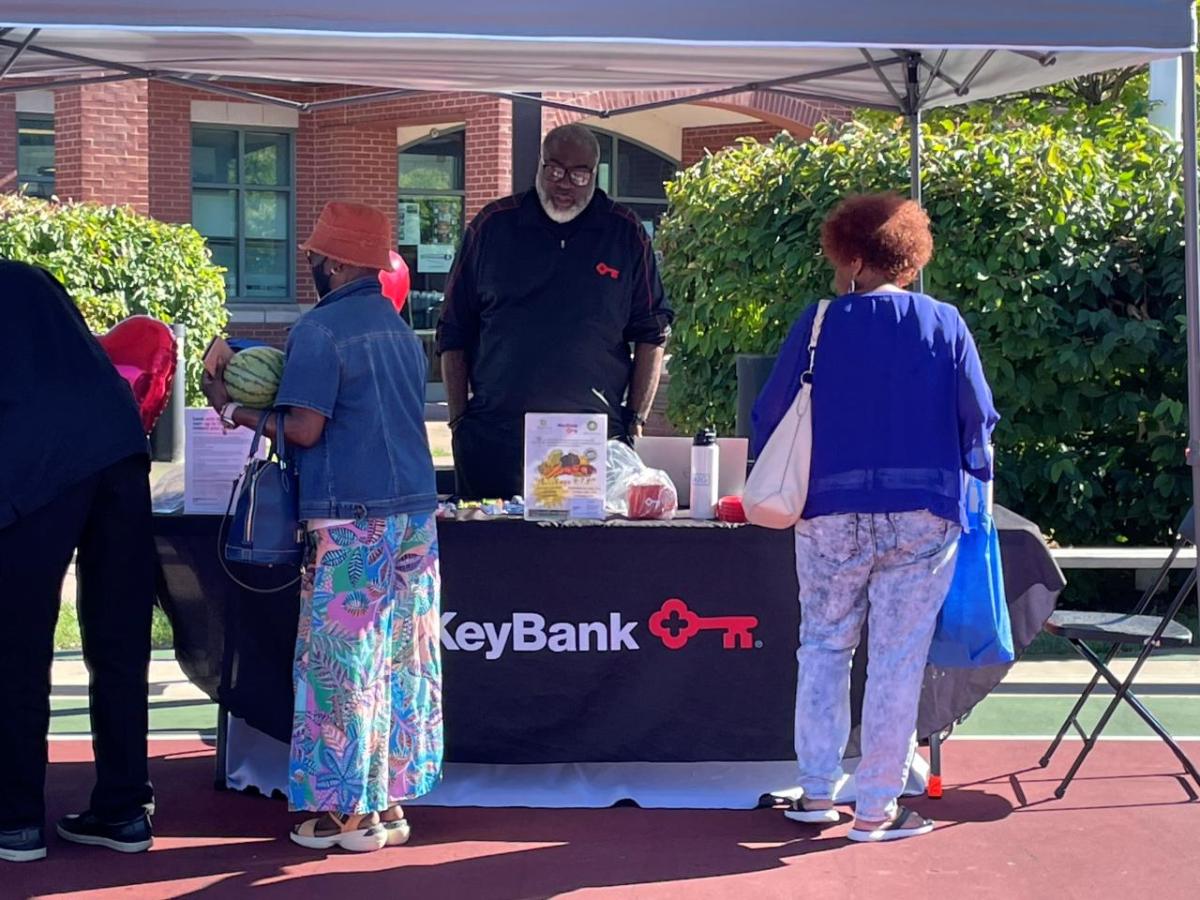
{"x":252,"y":177}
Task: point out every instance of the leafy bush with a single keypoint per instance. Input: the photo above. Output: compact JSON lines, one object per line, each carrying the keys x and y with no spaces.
{"x":116,"y":263}
{"x":1062,"y":247}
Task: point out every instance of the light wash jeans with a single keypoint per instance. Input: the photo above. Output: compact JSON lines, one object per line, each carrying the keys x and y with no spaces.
{"x":893,"y":570}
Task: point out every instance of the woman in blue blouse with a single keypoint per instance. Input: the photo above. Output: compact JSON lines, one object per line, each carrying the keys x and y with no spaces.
{"x":901,"y":410}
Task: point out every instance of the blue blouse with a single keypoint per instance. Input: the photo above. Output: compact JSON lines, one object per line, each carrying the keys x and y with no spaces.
{"x":901,"y":407}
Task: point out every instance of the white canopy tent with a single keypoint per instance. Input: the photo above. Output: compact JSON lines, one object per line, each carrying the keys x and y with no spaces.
{"x":852,"y":53}
{"x":872,"y":53}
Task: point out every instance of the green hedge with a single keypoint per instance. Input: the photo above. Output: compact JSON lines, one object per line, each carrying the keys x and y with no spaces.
{"x":1063,"y":248}
{"x":116,"y":263}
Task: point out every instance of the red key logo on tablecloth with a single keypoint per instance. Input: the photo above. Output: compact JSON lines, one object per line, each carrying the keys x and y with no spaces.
{"x":674,"y":624}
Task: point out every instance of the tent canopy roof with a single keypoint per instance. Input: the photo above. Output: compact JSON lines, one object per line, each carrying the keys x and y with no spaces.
{"x":852,"y":52}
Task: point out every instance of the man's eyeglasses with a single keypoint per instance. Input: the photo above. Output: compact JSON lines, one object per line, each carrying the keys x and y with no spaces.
{"x":580,"y":176}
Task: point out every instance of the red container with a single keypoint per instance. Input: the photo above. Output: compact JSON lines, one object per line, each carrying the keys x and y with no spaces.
{"x":652,"y":501}
{"x":729,"y":509}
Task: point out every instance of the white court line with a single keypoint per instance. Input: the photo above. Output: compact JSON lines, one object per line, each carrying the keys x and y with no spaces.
{"x":211,"y":735}
{"x":1070,"y":737}
{"x":153,"y":736}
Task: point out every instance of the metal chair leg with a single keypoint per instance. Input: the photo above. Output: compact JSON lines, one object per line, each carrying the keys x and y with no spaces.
{"x":1124,"y":691}
{"x":1071,"y":719}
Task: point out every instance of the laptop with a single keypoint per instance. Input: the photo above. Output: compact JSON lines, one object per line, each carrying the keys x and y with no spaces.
{"x":674,"y":456}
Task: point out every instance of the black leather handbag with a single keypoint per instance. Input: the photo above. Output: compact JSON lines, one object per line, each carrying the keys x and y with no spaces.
{"x":265,"y":528}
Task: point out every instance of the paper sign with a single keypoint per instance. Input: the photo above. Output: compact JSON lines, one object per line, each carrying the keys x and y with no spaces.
{"x":566,"y":461}
{"x":433,"y":259}
{"x":213,"y":460}
{"x":410,"y":224}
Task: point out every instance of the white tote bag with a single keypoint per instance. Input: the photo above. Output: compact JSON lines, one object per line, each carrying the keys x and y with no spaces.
{"x":778,"y":484}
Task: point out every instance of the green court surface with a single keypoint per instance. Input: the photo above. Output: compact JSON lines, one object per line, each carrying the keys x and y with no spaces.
{"x":69,"y":716}
{"x":999,"y":715}
{"x":1009,"y":715}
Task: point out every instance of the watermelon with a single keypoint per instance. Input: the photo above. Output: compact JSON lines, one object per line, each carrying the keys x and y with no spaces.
{"x":252,"y":376}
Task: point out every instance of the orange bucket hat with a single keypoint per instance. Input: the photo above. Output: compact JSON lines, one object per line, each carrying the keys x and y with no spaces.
{"x":354,"y":234}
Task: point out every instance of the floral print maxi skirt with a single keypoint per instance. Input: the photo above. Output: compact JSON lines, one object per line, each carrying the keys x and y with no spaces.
{"x":367,"y":731}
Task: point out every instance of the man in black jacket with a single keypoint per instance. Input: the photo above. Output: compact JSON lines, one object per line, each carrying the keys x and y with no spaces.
{"x":548,"y":294}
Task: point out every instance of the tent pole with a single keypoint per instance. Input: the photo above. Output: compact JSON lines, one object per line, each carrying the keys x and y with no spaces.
{"x":914,"y":173}
{"x":914,"y":155}
{"x":914,"y":137}
{"x":1191,"y":240}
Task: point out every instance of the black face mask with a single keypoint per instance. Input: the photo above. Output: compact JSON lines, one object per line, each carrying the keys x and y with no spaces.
{"x":321,"y":279}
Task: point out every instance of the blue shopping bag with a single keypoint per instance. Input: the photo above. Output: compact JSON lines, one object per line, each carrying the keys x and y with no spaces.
{"x":973,"y":628}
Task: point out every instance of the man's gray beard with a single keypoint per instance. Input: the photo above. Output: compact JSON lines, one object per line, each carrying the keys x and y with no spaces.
{"x":562,"y":216}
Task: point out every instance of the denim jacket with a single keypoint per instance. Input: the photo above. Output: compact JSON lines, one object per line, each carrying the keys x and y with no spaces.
{"x":356,"y":362}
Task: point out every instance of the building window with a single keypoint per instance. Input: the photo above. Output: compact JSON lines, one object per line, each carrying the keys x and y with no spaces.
{"x":633,"y":175}
{"x":432,"y":196}
{"x":35,"y":154}
{"x":242,"y":204}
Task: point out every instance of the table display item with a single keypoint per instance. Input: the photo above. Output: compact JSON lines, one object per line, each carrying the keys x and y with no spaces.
{"x":480,"y":510}
{"x":635,"y":490}
{"x":729,"y":509}
{"x":566,"y":464}
{"x":213,"y":459}
{"x":706,"y":461}
{"x":252,"y":376}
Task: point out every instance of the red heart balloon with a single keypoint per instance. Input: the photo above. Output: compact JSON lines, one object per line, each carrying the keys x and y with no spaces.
{"x":396,"y":281}
{"x":143,"y":351}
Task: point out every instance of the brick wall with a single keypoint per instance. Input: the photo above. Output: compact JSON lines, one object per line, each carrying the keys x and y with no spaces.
{"x":8,"y":142}
{"x":273,"y":334}
{"x":698,"y":141}
{"x":170,"y":153}
{"x":488,"y":134}
{"x":489,"y":153}
{"x":342,"y":153}
{"x":101,"y":144}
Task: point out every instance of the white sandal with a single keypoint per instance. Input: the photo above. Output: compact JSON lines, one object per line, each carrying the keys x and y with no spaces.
{"x":798,"y":812}
{"x":905,"y":824}
{"x":349,"y":837}
{"x":398,"y":832}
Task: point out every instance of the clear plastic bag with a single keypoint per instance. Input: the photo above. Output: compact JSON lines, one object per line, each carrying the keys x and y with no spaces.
{"x":634,"y":490}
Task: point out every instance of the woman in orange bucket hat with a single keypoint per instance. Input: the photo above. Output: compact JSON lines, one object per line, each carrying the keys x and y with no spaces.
{"x":367,"y":731}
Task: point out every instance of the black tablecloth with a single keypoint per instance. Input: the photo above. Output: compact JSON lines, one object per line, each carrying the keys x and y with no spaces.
{"x":636,"y":700}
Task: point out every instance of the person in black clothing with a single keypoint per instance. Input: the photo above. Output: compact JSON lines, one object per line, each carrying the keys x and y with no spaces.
{"x":74,"y":477}
{"x":548,"y":292}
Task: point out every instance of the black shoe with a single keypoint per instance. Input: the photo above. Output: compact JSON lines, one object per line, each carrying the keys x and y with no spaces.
{"x":131,"y":836}
{"x":23,"y":844}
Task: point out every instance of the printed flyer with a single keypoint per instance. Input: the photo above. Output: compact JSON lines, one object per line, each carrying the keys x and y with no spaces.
{"x":566,"y":458}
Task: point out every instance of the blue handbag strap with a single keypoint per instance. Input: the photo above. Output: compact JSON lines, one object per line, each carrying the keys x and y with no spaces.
{"x":278,"y":446}
{"x":280,"y":450}
{"x":258,"y":433}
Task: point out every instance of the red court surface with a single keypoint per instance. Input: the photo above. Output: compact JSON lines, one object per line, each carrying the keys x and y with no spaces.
{"x":1128,"y":827}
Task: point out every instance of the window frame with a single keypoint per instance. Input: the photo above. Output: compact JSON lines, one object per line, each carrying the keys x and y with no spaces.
{"x":614,"y":174}
{"x":432,"y":192}
{"x":40,"y":120}
{"x":240,"y":189}
{"x":404,"y":193}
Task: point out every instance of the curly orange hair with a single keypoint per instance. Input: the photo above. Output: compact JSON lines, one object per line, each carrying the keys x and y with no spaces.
{"x":889,"y":232}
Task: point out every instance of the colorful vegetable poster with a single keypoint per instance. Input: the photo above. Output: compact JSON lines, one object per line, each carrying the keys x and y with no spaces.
{"x":566,"y":458}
